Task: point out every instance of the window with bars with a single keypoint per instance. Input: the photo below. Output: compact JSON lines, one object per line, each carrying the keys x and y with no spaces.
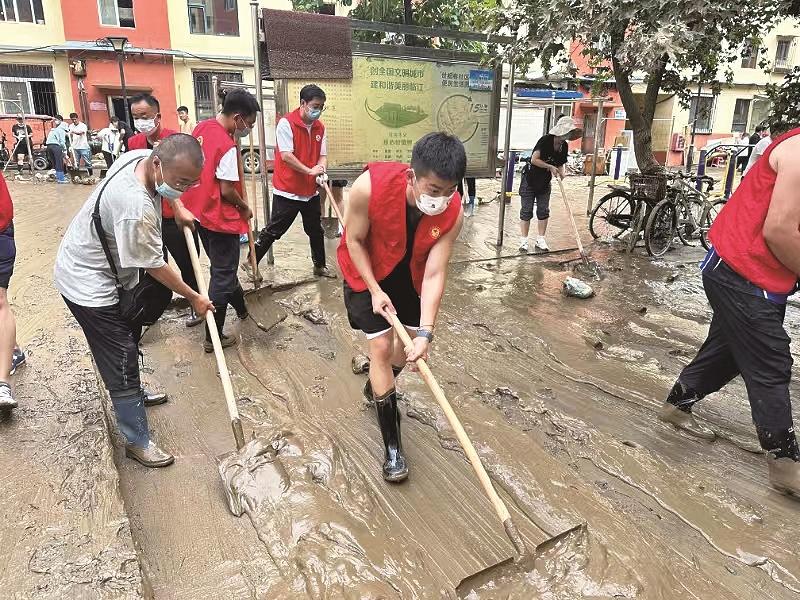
{"x":702,"y":110}
{"x":116,"y":13}
{"x":741,"y":112}
{"x":212,"y":17}
{"x":782,"y":53}
{"x":749,"y":56}
{"x":30,"y":85}
{"x":22,"y":11}
{"x":204,"y":101}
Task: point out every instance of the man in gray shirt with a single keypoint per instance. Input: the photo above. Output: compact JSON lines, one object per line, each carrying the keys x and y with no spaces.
{"x":130,"y":216}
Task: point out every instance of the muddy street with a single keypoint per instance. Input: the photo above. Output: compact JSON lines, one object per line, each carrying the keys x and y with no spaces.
{"x":559,"y":396}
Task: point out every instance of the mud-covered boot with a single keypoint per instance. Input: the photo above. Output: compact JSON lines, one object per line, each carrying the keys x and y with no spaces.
{"x":677,"y":410}
{"x":394,"y":467}
{"x":784,"y":475}
{"x":369,"y":396}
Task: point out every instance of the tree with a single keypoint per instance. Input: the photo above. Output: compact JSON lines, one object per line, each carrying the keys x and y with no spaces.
{"x":785,"y":100}
{"x":669,"y":43}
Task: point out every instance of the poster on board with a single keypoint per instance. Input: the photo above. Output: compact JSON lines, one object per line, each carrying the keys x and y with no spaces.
{"x":391,"y":102}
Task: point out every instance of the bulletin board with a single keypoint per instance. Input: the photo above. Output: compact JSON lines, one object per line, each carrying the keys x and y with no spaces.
{"x":393,"y":101}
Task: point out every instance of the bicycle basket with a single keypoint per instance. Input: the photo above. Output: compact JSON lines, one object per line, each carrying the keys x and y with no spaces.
{"x":649,"y":188}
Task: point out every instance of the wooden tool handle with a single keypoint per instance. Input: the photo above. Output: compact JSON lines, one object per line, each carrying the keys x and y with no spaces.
{"x":222,"y":366}
{"x":254,"y":181}
{"x":463,"y":439}
{"x":332,"y":202}
{"x":571,"y":218}
{"x":250,"y":240}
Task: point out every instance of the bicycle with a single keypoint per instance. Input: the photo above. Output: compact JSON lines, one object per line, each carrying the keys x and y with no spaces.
{"x":613,"y":214}
{"x":685,"y":211}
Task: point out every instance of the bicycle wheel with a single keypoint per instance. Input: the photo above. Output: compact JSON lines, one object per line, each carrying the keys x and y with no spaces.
{"x":612,"y":216}
{"x":690,"y":212}
{"x":709,"y":214}
{"x":661,"y":228}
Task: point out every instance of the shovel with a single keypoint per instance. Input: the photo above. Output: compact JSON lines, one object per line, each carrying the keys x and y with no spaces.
{"x":250,"y":240}
{"x":590,"y":267}
{"x":222,"y":366}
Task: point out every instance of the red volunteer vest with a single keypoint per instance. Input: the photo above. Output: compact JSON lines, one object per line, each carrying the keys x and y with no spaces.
{"x":386,"y":240}
{"x":6,"y":206}
{"x":205,"y":201}
{"x":737,"y":233}
{"x":139,"y":142}
{"x":307,"y":148}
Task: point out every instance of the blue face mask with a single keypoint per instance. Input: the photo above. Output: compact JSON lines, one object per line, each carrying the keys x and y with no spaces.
{"x":314,"y":113}
{"x":165,"y":190}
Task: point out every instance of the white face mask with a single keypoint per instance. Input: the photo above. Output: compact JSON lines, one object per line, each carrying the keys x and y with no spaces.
{"x":144,"y":125}
{"x":431,"y":205}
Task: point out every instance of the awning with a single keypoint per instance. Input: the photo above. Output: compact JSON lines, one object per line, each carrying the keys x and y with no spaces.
{"x":116,"y":88}
{"x":547,"y":94}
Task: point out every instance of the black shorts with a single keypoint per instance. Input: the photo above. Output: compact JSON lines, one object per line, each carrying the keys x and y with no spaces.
{"x":339,"y":183}
{"x":400,"y":289}
{"x":8,"y":253}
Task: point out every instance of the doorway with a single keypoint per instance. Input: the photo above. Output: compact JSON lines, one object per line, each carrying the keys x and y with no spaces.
{"x":118,"y":109}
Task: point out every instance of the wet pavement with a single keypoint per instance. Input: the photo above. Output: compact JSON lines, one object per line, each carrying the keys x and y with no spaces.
{"x":558,"y":394}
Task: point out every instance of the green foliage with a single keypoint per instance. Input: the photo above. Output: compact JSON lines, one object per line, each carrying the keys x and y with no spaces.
{"x":306,"y":5}
{"x":460,"y":15}
{"x":785,"y":99}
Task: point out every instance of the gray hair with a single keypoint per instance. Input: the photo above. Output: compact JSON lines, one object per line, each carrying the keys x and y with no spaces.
{"x":178,"y":145}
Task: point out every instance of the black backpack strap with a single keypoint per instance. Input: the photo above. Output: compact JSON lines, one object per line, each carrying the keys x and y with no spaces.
{"x":98,"y":225}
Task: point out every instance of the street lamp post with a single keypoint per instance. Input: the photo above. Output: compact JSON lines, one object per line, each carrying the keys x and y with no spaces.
{"x":118,"y":43}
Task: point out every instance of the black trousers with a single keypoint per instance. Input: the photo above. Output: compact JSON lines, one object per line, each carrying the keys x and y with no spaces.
{"x":470,"y":187}
{"x":109,"y":159}
{"x":224,"y":288}
{"x":56,"y":154}
{"x":284,"y":212}
{"x":746,"y":338}
{"x":175,"y":242}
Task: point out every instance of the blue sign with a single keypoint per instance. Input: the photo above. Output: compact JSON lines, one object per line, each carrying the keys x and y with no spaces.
{"x":481,"y":80}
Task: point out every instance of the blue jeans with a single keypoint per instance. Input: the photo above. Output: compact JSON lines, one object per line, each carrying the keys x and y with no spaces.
{"x":86,"y":155}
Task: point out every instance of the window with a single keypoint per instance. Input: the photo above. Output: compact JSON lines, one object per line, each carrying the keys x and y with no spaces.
{"x":204,"y":102}
{"x":782,"y":53}
{"x":741,"y":112}
{"x":749,"y":56}
{"x":116,"y":13}
{"x":33,"y":84}
{"x":213,"y":17}
{"x":702,"y":114}
{"x":22,"y":11}
{"x":761,"y":109}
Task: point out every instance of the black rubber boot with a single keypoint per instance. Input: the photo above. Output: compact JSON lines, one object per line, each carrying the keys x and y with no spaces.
{"x":394,"y":467}
{"x":368,"y":386}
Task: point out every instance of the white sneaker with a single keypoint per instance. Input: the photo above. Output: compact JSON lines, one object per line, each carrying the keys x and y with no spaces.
{"x":6,"y":398}
{"x":523,"y":244}
{"x":541,"y":244}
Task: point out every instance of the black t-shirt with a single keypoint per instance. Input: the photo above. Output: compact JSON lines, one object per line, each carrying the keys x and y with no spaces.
{"x":19,"y":131}
{"x":538,"y":179}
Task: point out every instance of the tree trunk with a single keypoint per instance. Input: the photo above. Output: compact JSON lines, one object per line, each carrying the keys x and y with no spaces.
{"x":641,"y":118}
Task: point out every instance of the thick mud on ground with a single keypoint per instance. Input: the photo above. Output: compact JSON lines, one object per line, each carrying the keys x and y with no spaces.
{"x":64,"y":532}
{"x":559,"y":396}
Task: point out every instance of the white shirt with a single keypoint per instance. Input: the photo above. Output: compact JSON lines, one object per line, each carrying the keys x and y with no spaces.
{"x":131,"y":220}
{"x":285,"y":139}
{"x":79,"y":142}
{"x":109,"y":138}
{"x":758,"y":150}
{"x":228,"y":167}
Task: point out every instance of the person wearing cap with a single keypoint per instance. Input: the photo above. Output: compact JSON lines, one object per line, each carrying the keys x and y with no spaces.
{"x":547,"y":161}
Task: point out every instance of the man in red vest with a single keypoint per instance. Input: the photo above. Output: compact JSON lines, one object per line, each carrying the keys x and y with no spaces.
{"x":301,"y":158}
{"x":219,"y":205}
{"x":748,"y":275}
{"x":401,"y":223}
{"x":146,"y":112}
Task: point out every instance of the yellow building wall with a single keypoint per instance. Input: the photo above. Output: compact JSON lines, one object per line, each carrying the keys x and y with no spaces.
{"x":32,"y":34}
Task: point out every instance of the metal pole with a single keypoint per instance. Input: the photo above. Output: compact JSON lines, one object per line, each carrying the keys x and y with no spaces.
{"x":730,"y":172}
{"x":262,"y":144}
{"x":690,"y":155}
{"x":25,"y":131}
{"x":506,"y":152}
{"x":121,"y":61}
{"x":597,"y":124}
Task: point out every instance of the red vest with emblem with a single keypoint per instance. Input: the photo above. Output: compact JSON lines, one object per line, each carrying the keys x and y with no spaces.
{"x":737,"y":233}
{"x":386,"y":240}
{"x":205,"y":200}
{"x":140,"y":142}
{"x":307,"y":149}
